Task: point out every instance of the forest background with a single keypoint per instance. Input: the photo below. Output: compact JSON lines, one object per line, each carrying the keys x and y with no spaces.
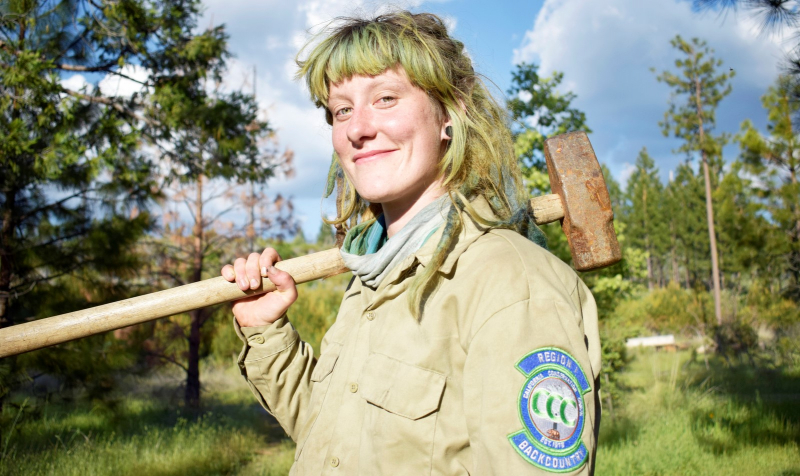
{"x":108,"y":192}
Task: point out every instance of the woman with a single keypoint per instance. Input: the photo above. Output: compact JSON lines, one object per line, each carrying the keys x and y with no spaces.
{"x":461,"y":347}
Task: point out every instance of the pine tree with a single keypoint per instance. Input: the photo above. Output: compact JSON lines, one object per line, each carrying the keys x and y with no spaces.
{"x":75,"y":179}
{"x":685,"y":206}
{"x":644,"y":214}
{"x":744,"y":233}
{"x":774,"y":160}
{"x":698,"y":89}
{"x":74,"y":184}
{"x":214,"y":136}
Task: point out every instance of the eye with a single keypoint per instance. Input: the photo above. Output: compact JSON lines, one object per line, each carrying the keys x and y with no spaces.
{"x":341,"y":112}
{"x":387,"y":100}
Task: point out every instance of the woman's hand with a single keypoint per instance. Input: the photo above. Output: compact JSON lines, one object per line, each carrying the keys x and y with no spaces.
{"x":263,"y":309}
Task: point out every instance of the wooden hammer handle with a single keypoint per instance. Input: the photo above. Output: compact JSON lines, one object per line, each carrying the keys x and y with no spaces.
{"x":74,"y":325}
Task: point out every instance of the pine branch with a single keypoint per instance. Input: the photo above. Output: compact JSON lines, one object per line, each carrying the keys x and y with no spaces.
{"x":110,"y":102}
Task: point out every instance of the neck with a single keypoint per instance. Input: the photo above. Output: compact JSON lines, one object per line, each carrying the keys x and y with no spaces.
{"x":397,"y":214}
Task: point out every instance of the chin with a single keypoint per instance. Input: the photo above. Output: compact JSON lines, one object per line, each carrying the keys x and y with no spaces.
{"x":376,"y":197}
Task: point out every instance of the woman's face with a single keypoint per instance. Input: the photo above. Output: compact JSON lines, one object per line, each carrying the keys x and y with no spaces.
{"x":389,"y":137}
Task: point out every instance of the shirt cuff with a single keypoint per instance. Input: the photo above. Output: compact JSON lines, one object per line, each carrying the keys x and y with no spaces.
{"x":263,"y":341}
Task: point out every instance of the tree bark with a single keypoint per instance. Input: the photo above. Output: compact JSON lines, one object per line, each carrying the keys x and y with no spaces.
{"x":7,"y":257}
{"x":647,"y":239}
{"x":6,"y":273}
{"x":712,"y":236}
{"x":674,"y":252}
{"x":794,"y":252}
{"x":192,"y":395}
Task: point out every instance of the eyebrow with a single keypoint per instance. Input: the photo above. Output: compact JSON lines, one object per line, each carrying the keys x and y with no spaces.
{"x":385,"y":82}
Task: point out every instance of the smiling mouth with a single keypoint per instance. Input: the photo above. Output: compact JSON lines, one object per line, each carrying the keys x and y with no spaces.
{"x":373,"y":154}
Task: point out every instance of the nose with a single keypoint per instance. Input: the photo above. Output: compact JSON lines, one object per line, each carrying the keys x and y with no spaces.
{"x":361,"y":126}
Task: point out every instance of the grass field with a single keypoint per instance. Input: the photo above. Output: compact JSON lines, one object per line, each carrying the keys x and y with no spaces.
{"x":681,"y":417}
{"x":149,"y":433}
{"x":677,"y":417}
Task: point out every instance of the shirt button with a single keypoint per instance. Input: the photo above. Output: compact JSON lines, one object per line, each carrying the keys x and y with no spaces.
{"x":334,"y":461}
{"x":353,"y":387}
{"x":259,"y":339}
{"x":370,"y":315}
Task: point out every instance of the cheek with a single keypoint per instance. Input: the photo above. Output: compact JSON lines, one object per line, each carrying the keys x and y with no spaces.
{"x":339,"y":141}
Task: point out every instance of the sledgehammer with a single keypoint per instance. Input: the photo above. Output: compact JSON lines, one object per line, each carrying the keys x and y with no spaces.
{"x":580,"y":200}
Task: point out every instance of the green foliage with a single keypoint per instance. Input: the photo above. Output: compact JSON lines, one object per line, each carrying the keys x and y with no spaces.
{"x":146,"y":434}
{"x":744,"y":233}
{"x":326,"y":235}
{"x":688,"y":228}
{"x":762,"y":306}
{"x":539,"y":111}
{"x":615,"y":360}
{"x":702,"y":89}
{"x":645,"y":214}
{"x":70,"y":167}
{"x":680,"y":417}
{"x":75,"y":179}
{"x":691,"y":117}
{"x":665,"y":310}
{"x":776,"y":162}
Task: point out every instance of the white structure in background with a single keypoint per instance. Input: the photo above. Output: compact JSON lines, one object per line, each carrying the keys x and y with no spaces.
{"x":659,"y":342}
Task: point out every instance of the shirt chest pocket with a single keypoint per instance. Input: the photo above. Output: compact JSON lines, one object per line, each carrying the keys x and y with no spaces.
{"x":400,"y":417}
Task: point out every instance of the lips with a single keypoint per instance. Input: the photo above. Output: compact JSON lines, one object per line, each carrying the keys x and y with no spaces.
{"x":372,"y":154}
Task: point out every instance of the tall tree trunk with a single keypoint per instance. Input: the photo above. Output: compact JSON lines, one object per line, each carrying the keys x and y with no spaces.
{"x":794,"y":206}
{"x":674,"y":252}
{"x":712,"y":236}
{"x":6,"y":273}
{"x":7,"y":264}
{"x":7,"y":257}
{"x":794,"y":251}
{"x":647,"y":239}
{"x":192,"y":395}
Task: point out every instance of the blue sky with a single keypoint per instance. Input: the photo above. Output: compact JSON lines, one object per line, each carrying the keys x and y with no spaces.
{"x":605,"y":50}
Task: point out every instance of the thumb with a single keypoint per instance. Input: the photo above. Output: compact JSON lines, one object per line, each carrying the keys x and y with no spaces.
{"x":283,"y":281}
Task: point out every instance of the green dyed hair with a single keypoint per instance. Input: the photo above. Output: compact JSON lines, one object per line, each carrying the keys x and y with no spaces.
{"x":480,"y":159}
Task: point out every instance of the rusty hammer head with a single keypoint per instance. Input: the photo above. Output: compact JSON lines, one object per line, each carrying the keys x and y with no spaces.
{"x":588,"y":222}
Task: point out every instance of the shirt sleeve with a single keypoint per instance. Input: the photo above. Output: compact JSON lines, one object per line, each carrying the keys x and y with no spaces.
{"x":530,"y":388}
{"x":278,"y":365}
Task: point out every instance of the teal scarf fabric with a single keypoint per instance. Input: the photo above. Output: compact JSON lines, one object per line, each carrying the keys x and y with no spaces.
{"x":371,"y":255}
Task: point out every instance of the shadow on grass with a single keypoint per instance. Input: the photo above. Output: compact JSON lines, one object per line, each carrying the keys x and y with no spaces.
{"x":68,"y":423}
{"x":618,"y":431}
{"x":758,"y":406}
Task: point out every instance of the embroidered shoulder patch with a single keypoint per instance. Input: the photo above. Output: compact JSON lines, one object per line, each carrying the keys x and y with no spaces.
{"x":552,"y":410}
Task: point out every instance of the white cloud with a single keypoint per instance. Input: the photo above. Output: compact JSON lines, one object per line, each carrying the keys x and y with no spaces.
{"x":76,"y":82}
{"x":606,"y":49}
{"x":627,"y":170}
{"x":450,"y":22}
{"x":116,"y":85}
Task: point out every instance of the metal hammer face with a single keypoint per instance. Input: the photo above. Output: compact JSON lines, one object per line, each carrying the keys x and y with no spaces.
{"x":588,"y":222}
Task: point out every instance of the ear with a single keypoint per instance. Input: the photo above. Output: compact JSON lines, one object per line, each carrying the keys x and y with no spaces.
{"x":447,"y":130}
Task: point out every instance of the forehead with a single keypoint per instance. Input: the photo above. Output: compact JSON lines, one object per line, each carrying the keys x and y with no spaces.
{"x":395,"y":78}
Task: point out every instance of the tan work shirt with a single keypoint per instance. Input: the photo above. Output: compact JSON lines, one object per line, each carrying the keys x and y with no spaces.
{"x":498,"y":377}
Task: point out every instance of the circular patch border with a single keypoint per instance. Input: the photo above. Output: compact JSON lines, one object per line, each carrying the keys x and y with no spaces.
{"x":534,"y":446}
